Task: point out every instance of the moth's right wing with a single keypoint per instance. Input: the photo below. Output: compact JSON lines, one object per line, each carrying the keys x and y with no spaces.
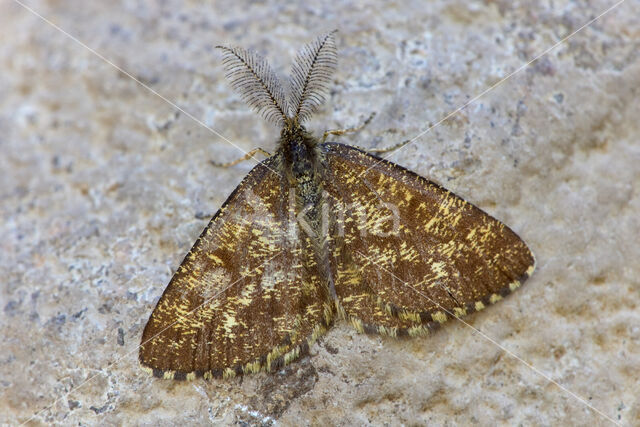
{"x":247,"y":297}
{"x":410,"y":254}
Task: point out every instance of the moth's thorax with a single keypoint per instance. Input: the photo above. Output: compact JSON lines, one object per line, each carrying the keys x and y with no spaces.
{"x":300,"y":153}
{"x":303,"y":167}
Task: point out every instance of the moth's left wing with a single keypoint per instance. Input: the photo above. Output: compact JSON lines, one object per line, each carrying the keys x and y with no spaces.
{"x":247,"y":297}
{"x":408,"y":252}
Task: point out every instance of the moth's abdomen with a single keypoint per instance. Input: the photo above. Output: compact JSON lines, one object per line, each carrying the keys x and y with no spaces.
{"x":312,"y":212}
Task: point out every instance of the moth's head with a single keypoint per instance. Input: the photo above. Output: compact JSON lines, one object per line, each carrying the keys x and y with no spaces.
{"x":291,"y":130}
{"x":259,"y":86}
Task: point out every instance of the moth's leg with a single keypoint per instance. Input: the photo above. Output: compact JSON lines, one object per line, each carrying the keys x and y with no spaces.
{"x":339,"y":132}
{"x":388,"y":149}
{"x":241,"y":159}
{"x":398,"y":145}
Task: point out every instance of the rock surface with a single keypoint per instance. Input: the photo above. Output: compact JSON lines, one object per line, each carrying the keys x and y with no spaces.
{"x":104,"y":186}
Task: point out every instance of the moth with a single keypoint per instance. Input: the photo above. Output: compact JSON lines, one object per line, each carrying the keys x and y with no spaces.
{"x":321,"y":231}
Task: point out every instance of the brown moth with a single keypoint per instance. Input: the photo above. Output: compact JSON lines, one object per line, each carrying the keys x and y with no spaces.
{"x":322,"y":231}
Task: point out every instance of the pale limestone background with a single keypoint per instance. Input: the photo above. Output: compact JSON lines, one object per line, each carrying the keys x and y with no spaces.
{"x":104,"y":187}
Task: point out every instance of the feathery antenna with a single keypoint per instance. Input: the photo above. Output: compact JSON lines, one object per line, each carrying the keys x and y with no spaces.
{"x":311,"y":74}
{"x":256,"y":82}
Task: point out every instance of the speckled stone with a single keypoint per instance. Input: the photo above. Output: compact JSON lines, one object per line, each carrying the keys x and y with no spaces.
{"x":104,"y":186}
